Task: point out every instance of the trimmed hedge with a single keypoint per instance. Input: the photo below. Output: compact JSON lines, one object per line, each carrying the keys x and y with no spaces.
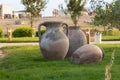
{"x":42,"y":32}
{"x":1,"y":32}
{"x":23,"y":32}
{"x":112,"y":32}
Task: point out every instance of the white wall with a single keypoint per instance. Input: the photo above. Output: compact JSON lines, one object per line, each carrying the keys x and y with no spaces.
{"x":7,"y":9}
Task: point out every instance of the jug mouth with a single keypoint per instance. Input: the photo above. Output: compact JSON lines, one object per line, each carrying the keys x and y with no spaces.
{"x":74,"y":27}
{"x":52,"y":22}
{"x":48,"y":24}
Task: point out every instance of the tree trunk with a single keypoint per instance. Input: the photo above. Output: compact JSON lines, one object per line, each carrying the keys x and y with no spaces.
{"x":31,"y":21}
{"x":31,"y":25}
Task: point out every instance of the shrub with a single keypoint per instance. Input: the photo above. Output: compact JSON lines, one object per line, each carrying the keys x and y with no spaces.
{"x":41,"y":31}
{"x":1,"y":32}
{"x":23,"y":32}
{"x":104,"y":33}
{"x":113,"y":32}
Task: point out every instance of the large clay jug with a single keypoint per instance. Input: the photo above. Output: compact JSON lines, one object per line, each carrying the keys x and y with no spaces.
{"x":77,"y":39}
{"x":54,"y":43}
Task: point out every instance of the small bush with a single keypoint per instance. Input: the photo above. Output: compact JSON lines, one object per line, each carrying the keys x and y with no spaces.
{"x":115,"y":32}
{"x":41,"y":31}
{"x":1,"y":32}
{"x":112,"y":32}
{"x":23,"y":32}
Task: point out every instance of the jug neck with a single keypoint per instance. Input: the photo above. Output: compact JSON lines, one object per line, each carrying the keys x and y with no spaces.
{"x":74,"y":27}
{"x":52,"y":24}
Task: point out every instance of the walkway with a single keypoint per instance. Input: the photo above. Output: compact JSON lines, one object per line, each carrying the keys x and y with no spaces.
{"x":17,"y":44}
{"x":108,"y":42}
{"x":36,"y":43}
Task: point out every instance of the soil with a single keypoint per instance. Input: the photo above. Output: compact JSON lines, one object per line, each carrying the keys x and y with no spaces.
{"x":1,"y":53}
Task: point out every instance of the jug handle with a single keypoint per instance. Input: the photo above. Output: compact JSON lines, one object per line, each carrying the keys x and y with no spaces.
{"x":39,"y":33}
{"x":66,"y":28}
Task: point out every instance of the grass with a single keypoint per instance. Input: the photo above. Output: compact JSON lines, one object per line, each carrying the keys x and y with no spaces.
{"x":110,"y":38}
{"x":35,"y":39}
{"x":20,"y":39}
{"x":27,"y":63}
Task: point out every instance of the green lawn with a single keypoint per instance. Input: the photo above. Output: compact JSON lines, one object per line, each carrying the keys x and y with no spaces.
{"x":27,"y":63}
{"x":20,"y":39}
{"x":36,"y":39}
{"x":110,"y":38}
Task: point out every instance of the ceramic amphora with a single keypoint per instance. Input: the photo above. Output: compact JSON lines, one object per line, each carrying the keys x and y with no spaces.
{"x":54,"y":43}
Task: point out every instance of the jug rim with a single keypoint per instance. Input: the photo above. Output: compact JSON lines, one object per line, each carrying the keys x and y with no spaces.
{"x":54,"y":22}
{"x":74,"y":27}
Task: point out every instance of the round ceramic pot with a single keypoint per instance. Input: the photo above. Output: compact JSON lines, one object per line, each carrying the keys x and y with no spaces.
{"x":77,"y":39}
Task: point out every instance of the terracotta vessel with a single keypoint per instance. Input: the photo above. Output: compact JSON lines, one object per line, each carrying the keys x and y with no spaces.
{"x":54,"y":43}
{"x":77,"y":39}
{"x":87,"y":54}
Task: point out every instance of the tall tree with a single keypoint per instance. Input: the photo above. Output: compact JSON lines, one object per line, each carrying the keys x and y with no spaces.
{"x":108,"y":15}
{"x":115,"y":14}
{"x":34,"y":7}
{"x":74,"y":9}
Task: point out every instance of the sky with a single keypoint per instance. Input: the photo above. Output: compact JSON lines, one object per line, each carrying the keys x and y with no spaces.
{"x":52,"y":4}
